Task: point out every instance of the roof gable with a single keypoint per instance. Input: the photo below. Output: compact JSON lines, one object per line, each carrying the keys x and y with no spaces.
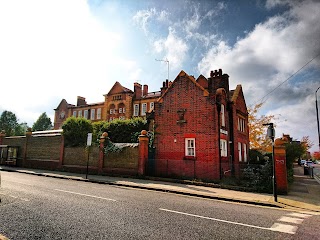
{"x":237,"y":96}
{"x":118,"y":88}
{"x":202,"y":81}
{"x":188,"y":78}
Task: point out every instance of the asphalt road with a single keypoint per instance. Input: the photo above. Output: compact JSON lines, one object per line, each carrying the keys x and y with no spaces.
{"x":35,"y":207}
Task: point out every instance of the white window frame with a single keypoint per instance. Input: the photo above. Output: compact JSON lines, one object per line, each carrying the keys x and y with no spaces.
{"x":223,"y":148}
{"x":239,"y":152}
{"x":99,"y":113}
{"x":92,"y":114}
{"x":74,"y":113}
{"x":111,"y":111}
{"x":190,"y":147}
{"x":151,"y":105}
{"x":143,"y":109}
{"x":223,"y":117}
{"x":123,"y":110}
{"x":136,"y":110}
{"x":86,"y":114}
{"x":120,"y":110}
{"x":241,"y":124}
{"x":80,"y":113}
{"x":245,"y":152}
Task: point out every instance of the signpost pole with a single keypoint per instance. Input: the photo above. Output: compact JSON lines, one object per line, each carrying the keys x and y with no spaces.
{"x":89,"y":142}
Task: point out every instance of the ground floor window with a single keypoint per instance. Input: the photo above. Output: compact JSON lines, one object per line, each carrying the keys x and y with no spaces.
{"x":223,"y":148}
{"x":190,"y":149}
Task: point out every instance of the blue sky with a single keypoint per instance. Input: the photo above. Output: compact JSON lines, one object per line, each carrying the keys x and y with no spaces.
{"x":67,"y":48}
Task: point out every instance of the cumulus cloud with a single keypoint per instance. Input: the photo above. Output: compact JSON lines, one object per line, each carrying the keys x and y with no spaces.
{"x":174,"y":48}
{"x":270,"y":54}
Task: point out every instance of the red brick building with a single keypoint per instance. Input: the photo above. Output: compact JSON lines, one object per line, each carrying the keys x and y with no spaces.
{"x":119,"y":103}
{"x":201,"y":128}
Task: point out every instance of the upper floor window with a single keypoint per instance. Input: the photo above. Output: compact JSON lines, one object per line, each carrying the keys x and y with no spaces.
{"x":86,"y":114}
{"x":143,"y":109}
{"x":117,"y":97}
{"x":241,"y":124}
{"x":80,"y":113}
{"x":136,"y":110}
{"x":74,"y":113}
{"x":99,"y":113}
{"x":111,"y":111}
{"x":93,"y":113}
{"x":120,"y":110}
{"x":223,"y":118}
{"x":123,"y":109}
{"x":151,"y":105}
{"x":190,"y":147}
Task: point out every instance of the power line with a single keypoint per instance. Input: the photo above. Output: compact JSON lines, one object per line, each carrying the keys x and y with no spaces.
{"x":260,"y":100}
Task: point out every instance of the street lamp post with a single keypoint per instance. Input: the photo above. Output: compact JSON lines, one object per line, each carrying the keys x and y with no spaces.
{"x":271,"y":135}
{"x":317,"y":117}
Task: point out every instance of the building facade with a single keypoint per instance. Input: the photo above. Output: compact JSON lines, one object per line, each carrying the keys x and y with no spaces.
{"x":201,"y":127}
{"x":119,"y":103}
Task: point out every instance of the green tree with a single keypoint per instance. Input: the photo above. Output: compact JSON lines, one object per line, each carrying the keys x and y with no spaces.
{"x":43,"y":123}
{"x":75,"y":131}
{"x":21,"y":129}
{"x":9,"y":123}
{"x":294,"y":150}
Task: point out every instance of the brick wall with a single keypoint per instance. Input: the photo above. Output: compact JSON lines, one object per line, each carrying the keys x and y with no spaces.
{"x":200,"y":123}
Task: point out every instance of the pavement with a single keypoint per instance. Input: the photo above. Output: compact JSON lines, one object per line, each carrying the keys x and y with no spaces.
{"x":303,"y":195}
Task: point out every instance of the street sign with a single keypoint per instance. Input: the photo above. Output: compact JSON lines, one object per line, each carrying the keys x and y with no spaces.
{"x":89,"y":139}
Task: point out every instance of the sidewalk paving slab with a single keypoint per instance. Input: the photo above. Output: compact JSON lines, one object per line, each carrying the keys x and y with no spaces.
{"x":294,"y":200}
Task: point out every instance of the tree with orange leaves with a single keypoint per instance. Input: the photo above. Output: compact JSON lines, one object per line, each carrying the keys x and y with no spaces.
{"x":257,"y":132}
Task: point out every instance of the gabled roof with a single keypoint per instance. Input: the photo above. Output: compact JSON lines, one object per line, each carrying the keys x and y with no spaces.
{"x":235,"y":94}
{"x":63,"y":101}
{"x":118,"y":88}
{"x":189,"y":78}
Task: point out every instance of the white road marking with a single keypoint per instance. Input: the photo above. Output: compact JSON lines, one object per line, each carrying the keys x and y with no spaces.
{"x":86,"y":195}
{"x":285,"y":228}
{"x":276,"y":227}
{"x":300,"y":215}
{"x":12,"y":196}
{"x":291,"y":220}
{"x":25,"y":199}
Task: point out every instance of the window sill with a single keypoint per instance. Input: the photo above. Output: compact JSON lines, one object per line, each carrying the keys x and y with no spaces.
{"x":189,"y":158}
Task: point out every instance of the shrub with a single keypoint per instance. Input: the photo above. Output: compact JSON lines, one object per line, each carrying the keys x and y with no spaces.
{"x":75,"y":131}
{"x":121,"y":131}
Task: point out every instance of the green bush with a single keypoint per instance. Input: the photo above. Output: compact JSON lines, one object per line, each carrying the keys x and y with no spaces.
{"x":121,"y":131}
{"x":258,"y":177}
{"x":75,"y":131}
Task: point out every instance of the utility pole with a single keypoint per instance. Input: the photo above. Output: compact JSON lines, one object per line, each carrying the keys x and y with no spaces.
{"x":167,"y":61}
{"x":271,"y":135}
{"x":318,"y":117}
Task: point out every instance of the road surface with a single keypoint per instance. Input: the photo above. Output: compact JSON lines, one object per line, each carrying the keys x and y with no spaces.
{"x":36,"y":207}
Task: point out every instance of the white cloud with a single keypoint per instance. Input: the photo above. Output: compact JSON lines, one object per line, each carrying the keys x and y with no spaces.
{"x":143,"y":17}
{"x":174,"y":48}
{"x":51,"y":50}
{"x":267,"y":56}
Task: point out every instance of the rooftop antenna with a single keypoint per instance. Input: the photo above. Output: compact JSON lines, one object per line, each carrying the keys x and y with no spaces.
{"x":167,"y":61}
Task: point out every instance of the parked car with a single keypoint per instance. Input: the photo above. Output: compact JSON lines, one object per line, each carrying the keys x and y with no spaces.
{"x":309,"y":163}
{"x":302,"y":162}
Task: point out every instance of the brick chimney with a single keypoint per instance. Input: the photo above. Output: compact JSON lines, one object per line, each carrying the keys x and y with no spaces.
{"x":218,"y":80}
{"x":145,"y":90}
{"x":81,"y":101}
{"x":165,"y":85}
{"x":137,"y":90}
